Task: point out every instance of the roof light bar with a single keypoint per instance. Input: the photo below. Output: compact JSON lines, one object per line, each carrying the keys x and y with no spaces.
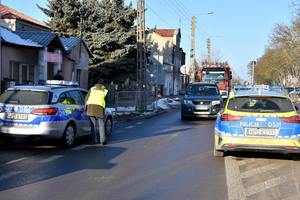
{"x":58,"y":82}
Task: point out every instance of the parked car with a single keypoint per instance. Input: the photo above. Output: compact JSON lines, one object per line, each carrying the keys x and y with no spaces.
{"x":54,"y":110}
{"x":201,"y":100}
{"x":259,"y":119}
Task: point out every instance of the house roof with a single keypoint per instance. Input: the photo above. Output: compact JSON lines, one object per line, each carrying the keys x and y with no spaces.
{"x":9,"y":13}
{"x":45,"y":38}
{"x":12,"y":38}
{"x":165,"y":32}
{"x":42,"y":38}
{"x":70,"y":42}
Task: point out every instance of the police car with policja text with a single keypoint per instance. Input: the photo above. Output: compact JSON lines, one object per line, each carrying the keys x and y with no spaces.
{"x":53,"y":110}
{"x":257,"y":118}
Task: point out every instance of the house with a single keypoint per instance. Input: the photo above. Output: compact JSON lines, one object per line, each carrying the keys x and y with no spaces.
{"x":17,"y":21}
{"x":166,"y":59}
{"x":29,"y":56}
{"x":31,"y":52}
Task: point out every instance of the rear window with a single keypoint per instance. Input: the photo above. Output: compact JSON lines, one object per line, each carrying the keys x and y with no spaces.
{"x":202,"y":90}
{"x":260,"y":104}
{"x":23,"y":97}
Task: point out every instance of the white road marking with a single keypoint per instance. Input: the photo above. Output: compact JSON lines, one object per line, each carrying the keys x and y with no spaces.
{"x":51,"y":158}
{"x":260,"y":170}
{"x":234,"y":183}
{"x":15,"y":161}
{"x":129,"y":127}
{"x":266,"y":185}
{"x":80,"y":147}
{"x":139,"y":123}
{"x":9,"y":175}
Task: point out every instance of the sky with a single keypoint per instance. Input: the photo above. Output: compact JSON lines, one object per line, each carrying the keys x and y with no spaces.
{"x":240,"y":30}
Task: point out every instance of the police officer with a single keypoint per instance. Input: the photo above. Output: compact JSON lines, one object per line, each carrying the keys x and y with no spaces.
{"x":95,"y":103}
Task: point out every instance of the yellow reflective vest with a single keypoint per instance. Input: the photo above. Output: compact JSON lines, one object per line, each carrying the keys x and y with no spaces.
{"x":97,"y":96}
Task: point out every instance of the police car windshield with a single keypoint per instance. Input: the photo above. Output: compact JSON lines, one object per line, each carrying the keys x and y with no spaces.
{"x":24,"y":97}
{"x":202,"y":90}
{"x":260,"y":104}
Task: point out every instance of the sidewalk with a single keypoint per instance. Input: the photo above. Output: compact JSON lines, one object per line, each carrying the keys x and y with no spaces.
{"x":161,"y":106}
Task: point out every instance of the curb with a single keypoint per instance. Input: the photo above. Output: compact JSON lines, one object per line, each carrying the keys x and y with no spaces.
{"x":139,"y":117}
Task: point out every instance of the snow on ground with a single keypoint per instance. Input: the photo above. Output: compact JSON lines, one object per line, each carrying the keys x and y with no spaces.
{"x":161,"y":104}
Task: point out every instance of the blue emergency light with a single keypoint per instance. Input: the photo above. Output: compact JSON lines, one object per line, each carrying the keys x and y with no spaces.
{"x":58,"y":82}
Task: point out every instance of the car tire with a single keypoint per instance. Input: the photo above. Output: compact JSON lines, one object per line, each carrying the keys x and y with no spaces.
{"x":108,"y":127}
{"x":218,"y":153}
{"x":69,"y":136}
{"x":183,"y":118}
{"x":7,"y":139}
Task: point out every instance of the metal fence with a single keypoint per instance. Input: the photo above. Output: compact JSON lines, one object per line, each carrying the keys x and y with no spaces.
{"x":127,"y":101}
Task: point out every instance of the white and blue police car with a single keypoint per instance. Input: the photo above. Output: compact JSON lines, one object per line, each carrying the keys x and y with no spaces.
{"x":52,"y":110}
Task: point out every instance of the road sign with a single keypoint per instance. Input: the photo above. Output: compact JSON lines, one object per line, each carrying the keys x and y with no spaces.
{"x":185,"y":69}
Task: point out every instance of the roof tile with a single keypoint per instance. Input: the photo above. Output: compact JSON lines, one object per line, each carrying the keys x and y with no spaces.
{"x":9,"y":13}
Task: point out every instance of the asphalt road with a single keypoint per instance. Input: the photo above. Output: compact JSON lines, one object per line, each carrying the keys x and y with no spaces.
{"x":157,"y":158}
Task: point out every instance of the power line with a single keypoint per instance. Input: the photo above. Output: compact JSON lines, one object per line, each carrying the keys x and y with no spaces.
{"x":155,"y":13}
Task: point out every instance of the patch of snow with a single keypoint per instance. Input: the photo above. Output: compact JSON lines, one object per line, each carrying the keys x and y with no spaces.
{"x":13,"y":38}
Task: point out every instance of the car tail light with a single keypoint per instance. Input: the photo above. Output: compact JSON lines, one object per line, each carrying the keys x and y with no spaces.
{"x":293,"y":119}
{"x":44,"y":111}
{"x":230,"y":118}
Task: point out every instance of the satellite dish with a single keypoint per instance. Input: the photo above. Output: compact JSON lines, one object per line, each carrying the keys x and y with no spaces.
{"x":185,"y":69}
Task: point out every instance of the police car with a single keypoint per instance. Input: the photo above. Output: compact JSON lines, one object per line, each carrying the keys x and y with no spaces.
{"x":52,"y":109}
{"x":258,"y":119}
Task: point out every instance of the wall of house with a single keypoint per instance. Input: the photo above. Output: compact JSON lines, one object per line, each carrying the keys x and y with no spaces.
{"x":82,"y":64}
{"x":169,"y":48}
{"x":26,"y":26}
{"x":22,"y":55}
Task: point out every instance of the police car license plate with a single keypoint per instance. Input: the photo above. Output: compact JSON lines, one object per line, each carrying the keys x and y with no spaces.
{"x":16,"y":116}
{"x":263,"y":132}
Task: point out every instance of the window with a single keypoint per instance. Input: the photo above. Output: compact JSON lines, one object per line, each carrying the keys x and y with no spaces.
{"x":66,"y":99}
{"x":78,"y":74}
{"x":24,"y":97}
{"x":202,"y":90}
{"x":260,"y":104}
{"x":22,"y":73}
{"x":76,"y":96}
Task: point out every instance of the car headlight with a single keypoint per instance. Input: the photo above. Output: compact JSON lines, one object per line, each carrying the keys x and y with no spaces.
{"x":187,"y":102}
{"x":215,"y":102}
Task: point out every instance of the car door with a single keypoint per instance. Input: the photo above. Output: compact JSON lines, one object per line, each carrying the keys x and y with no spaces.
{"x":78,"y":111}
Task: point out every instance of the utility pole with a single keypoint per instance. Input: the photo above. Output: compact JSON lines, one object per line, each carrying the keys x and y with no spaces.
{"x":141,"y":56}
{"x":209,"y":51}
{"x":193,"y":47}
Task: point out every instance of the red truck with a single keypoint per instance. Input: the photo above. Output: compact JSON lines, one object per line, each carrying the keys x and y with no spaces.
{"x":219,"y":73}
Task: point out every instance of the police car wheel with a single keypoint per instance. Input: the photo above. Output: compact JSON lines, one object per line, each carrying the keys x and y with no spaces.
{"x":183,"y":117}
{"x":7,"y":139}
{"x":69,"y":136}
{"x":108,"y":127}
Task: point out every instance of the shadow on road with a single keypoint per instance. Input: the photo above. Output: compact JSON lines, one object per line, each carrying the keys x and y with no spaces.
{"x":144,"y":134}
{"x":263,"y":155}
{"x":92,"y":158}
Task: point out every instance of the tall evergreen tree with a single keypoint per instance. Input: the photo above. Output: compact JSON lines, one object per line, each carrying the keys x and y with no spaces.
{"x":107,"y":27}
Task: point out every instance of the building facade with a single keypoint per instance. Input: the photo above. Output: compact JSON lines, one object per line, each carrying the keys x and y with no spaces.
{"x":30,"y":52}
{"x":166,"y":59}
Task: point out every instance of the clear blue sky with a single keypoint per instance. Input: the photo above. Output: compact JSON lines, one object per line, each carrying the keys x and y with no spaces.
{"x":240,"y":29}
